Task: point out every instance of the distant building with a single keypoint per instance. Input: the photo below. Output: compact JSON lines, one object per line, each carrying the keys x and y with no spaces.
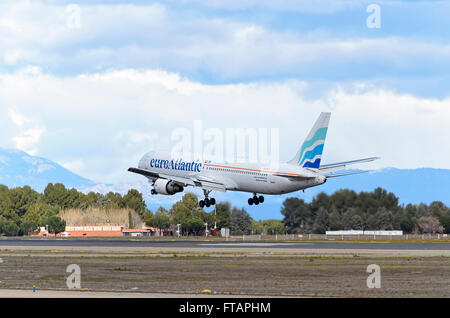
{"x":356,"y":232}
{"x":107,"y":230}
{"x":136,"y":232}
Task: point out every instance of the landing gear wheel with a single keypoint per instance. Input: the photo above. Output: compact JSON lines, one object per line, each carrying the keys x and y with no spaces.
{"x":153,"y":191}
{"x":208,"y":202}
{"x":261,"y":199}
{"x":201,"y":203}
{"x":255,"y":200}
{"x":250,"y":201}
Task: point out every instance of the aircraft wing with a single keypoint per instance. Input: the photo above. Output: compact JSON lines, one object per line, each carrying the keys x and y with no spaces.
{"x":333,"y":167}
{"x":144,"y":172}
{"x":211,"y":184}
{"x":153,"y":175}
{"x":200,"y":181}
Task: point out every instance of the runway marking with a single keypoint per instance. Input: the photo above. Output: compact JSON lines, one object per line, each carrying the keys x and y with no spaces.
{"x":254,"y":244}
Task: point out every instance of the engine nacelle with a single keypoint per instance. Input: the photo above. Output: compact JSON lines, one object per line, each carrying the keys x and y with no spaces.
{"x":167,"y":187}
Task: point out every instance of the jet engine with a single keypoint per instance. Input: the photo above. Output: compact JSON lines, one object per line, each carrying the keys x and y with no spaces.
{"x":167,"y":187}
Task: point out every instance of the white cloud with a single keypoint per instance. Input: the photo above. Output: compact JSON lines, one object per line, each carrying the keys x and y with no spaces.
{"x":118,"y":36}
{"x":18,"y":118}
{"x":310,"y":6}
{"x":76,"y":166}
{"x":27,"y":140}
{"x":29,"y":134}
{"x":101,"y":124}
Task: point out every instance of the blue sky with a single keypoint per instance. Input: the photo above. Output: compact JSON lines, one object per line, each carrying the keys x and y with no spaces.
{"x":97,"y":92}
{"x":412,"y":42}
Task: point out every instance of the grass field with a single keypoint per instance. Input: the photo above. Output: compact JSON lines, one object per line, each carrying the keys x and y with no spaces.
{"x":228,"y":273}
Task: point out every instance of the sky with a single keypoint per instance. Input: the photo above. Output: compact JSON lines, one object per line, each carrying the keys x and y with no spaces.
{"x":93,"y":85}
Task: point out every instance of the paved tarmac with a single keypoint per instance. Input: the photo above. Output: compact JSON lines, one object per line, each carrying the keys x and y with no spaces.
{"x":222,"y":245}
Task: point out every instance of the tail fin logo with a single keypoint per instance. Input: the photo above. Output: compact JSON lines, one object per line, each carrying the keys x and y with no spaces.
{"x":311,"y":151}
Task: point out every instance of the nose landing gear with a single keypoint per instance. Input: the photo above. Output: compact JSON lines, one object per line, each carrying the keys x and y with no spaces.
{"x":256,"y":200}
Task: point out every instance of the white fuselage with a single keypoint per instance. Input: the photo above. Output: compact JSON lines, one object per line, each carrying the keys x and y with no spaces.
{"x":248,"y":177}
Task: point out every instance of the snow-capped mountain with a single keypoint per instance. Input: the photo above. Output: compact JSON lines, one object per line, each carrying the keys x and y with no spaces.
{"x":18,"y":169}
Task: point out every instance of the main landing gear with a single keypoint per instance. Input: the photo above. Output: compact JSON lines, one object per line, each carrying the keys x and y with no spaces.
{"x":207,"y":202}
{"x":256,"y":200}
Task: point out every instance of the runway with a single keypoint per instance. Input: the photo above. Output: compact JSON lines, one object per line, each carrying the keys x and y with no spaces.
{"x":222,"y":245}
{"x":172,"y":268}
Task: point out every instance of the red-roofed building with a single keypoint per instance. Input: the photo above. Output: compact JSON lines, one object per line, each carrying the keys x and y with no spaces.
{"x":107,"y":231}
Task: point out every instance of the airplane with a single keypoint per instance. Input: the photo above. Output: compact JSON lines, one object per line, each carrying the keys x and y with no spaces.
{"x":170,"y":175}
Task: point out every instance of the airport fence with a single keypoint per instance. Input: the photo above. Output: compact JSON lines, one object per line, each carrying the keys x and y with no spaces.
{"x":306,"y":237}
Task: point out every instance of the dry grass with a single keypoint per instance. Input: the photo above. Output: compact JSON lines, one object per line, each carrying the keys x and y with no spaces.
{"x":415,"y":277}
{"x":97,"y":216}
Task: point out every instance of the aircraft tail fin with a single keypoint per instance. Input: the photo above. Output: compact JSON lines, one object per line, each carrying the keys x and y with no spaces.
{"x":310,"y":153}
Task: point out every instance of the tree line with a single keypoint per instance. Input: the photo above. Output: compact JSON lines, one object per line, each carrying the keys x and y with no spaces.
{"x":193,"y":219}
{"x":23,"y":211}
{"x":376,"y":210}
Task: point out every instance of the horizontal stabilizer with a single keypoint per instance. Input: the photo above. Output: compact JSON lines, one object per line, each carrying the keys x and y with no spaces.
{"x":332,"y":175}
{"x":342,"y":165}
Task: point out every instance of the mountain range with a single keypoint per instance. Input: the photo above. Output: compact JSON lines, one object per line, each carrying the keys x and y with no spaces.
{"x":426,"y":185}
{"x":18,"y":169}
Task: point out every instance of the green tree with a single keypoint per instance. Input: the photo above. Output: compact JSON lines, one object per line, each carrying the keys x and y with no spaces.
{"x":56,"y":195}
{"x":437,"y":209}
{"x":272,"y":227}
{"x":185,"y":209}
{"x":162,"y":211}
{"x":297,"y":215}
{"x":407,"y":225}
{"x":130,"y":221}
{"x":194,"y":225}
{"x":268,"y":227}
{"x":6,"y":204}
{"x":22,"y":198}
{"x":55,"y":224}
{"x":114,"y":201}
{"x":158,"y":221}
{"x":28,"y":226}
{"x":445,"y":221}
{"x":147,"y":216}
{"x":74,"y":199}
{"x":134,"y":200}
{"x":36,"y":211}
{"x":335,"y":221}
{"x":241,"y":222}
{"x":223,"y":212}
{"x":322,"y":221}
{"x":9,"y":228}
